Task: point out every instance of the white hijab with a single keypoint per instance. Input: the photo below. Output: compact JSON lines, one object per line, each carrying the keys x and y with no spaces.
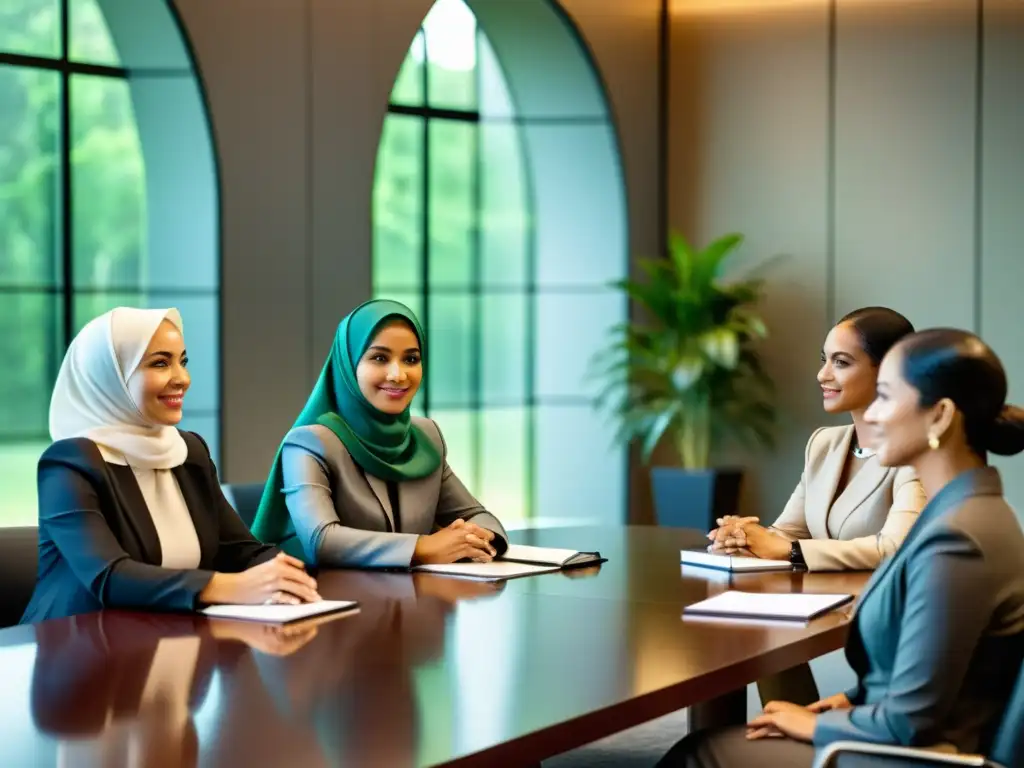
{"x":91,"y":397}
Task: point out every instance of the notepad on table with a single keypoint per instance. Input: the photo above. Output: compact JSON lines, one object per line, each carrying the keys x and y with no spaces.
{"x":766,"y":605}
{"x":496,"y":570}
{"x":518,"y":560}
{"x":278,"y":613}
{"x":563,"y":558}
{"x":704,"y":559}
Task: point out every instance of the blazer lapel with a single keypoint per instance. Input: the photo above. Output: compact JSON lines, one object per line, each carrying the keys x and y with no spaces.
{"x":379,"y":489}
{"x":410,"y":496}
{"x":823,"y":489}
{"x":136,"y":512}
{"x":202,"y":519}
{"x":882,"y":570}
{"x":860,"y":487}
{"x":974,"y":483}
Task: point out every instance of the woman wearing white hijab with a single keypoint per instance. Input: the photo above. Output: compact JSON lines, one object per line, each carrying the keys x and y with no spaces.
{"x":131,"y":514}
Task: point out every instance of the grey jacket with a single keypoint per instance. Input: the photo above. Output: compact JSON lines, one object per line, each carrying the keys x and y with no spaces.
{"x":342,"y":517}
{"x":938,"y":632}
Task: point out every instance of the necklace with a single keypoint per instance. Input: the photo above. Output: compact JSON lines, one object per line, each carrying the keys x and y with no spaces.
{"x":862,"y":453}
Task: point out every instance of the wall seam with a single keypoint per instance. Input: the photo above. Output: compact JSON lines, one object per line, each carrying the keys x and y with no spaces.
{"x":830,"y":168}
{"x":979,"y":123}
{"x":311,"y":366}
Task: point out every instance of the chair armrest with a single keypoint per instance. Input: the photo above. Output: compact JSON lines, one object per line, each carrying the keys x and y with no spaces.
{"x":828,"y":757}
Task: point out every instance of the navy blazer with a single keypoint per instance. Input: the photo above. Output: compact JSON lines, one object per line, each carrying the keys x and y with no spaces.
{"x":98,"y":547}
{"x":938,"y":632}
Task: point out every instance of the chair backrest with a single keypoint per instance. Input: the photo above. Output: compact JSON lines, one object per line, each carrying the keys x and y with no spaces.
{"x":19,"y":563}
{"x":245,"y":498}
{"x":1008,"y":747}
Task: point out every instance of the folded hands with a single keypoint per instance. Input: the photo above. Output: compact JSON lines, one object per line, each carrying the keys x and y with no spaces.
{"x":746,"y":537}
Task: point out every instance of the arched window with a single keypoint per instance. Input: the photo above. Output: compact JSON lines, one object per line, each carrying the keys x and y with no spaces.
{"x":495,"y":141}
{"x":107,"y":198}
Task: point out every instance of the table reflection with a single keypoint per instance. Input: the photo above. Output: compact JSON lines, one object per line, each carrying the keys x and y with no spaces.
{"x":354,"y":695}
{"x":121,"y":690}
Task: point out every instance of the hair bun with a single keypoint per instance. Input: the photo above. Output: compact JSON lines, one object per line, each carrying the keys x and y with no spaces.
{"x":1006,"y":435}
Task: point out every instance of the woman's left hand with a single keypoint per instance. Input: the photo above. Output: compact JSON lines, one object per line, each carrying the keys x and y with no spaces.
{"x":780,"y":718}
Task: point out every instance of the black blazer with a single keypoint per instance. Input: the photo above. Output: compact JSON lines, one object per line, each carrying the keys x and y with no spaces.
{"x":98,"y":547}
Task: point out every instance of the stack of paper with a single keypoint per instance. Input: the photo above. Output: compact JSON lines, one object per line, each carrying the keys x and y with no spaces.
{"x":704,"y":559}
{"x":278,"y":613}
{"x":766,"y":605}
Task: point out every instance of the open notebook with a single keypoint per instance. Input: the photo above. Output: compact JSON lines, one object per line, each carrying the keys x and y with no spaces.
{"x":279,"y":613}
{"x":766,"y":605}
{"x":518,"y":560}
{"x":704,"y":559}
{"x":563,"y":558}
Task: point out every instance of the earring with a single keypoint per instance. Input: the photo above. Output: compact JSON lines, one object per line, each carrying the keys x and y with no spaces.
{"x":933,"y":442}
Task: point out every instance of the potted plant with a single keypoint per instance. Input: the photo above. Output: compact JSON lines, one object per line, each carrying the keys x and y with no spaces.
{"x":687,"y":370}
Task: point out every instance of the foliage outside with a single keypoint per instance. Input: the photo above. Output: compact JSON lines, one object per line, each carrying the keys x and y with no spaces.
{"x":688,"y":368}
{"x":467,"y":179}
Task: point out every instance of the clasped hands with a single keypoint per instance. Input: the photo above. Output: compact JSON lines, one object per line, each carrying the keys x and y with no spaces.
{"x":746,"y":537}
{"x":458,"y":541}
{"x":781,"y":718}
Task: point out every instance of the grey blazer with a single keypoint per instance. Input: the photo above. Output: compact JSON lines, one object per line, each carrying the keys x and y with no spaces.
{"x":342,"y":517}
{"x":938,"y":631}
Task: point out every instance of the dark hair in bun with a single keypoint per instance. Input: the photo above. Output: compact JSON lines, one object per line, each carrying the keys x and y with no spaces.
{"x":1005,"y":436}
{"x":879,"y":329}
{"x":950,"y":363}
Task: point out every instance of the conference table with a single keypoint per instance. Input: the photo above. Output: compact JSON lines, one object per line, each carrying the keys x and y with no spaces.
{"x":431,"y":670}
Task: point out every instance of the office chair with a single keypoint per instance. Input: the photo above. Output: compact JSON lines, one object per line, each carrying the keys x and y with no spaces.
{"x":1007,"y":749}
{"x":245,"y":498}
{"x":19,"y":562}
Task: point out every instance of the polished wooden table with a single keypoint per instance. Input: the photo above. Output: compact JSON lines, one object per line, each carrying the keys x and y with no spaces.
{"x":430,"y":671}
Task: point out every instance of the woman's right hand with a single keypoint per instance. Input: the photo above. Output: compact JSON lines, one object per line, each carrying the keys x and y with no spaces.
{"x":458,"y":541}
{"x":838,"y":701}
{"x":281,"y":580}
{"x":730,"y":527}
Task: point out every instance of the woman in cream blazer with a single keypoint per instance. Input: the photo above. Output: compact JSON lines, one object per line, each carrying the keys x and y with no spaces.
{"x":848,"y":512}
{"x":849,"y":528}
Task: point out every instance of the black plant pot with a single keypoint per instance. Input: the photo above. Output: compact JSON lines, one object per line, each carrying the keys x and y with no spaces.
{"x":685,"y":498}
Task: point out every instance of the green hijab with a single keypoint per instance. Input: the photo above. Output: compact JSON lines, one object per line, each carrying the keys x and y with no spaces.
{"x":383,"y":445}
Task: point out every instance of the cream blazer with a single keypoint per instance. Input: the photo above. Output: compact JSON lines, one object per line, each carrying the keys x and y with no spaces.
{"x":858,"y":528}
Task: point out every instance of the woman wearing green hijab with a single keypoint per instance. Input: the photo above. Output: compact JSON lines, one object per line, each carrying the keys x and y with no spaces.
{"x":358,"y":481}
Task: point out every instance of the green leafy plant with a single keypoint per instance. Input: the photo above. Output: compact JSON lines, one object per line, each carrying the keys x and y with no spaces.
{"x":688,"y":368}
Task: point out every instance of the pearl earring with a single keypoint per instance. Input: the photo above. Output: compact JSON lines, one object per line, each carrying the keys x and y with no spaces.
{"x":933,"y":442}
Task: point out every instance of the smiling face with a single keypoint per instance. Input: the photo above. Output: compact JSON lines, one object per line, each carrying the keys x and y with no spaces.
{"x":847,"y":375}
{"x":159,"y":384}
{"x":901,"y":426}
{"x":390,"y":371}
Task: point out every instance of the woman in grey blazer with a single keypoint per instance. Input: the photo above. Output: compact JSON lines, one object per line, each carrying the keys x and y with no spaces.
{"x":940,"y":622}
{"x":360,"y":482}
